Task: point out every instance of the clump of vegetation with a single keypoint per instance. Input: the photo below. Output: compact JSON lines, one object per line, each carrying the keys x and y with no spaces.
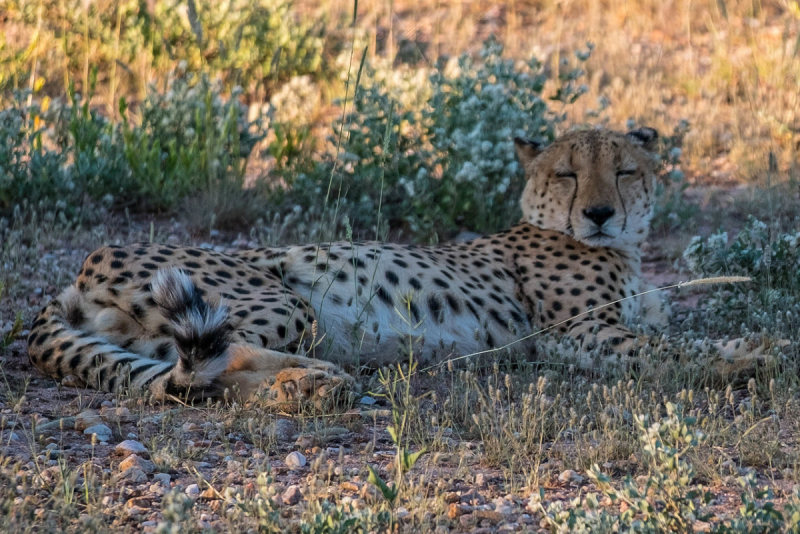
{"x":448,"y":165}
{"x":668,"y":498}
{"x":771,"y":259}
{"x":257,"y":45}
{"x":184,"y":141}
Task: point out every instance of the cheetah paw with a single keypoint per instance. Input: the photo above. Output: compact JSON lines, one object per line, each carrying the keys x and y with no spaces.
{"x":313,"y":382}
{"x":742,"y":356}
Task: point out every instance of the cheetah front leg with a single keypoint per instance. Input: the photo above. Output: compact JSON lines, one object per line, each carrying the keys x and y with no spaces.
{"x":293,"y":378}
{"x":612,"y":343}
{"x":738,"y":357}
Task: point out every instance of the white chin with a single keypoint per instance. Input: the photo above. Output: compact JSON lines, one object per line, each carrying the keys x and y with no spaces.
{"x":598,"y":239}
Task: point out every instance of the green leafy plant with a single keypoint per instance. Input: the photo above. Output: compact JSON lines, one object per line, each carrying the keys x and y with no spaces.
{"x":771,"y":259}
{"x":188,"y":139}
{"x":452,"y":162}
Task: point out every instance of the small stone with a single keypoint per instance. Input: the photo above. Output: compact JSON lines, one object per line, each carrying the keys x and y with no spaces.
{"x":451,"y":497}
{"x":504,"y":509}
{"x":349,"y":486}
{"x":209,"y":494}
{"x":138,"y":462}
{"x":281,"y":430}
{"x":570,"y":476}
{"x":701,"y":526}
{"x":466,"y":520}
{"x":480,"y":480}
{"x":454,"y":511}
{"x":102,"y":432}
{"x":136,"y":511}
{"x":190,"y":427}
{"x":133,"y":474}
{"x":472,"y":497}
{"x":306,"y":441}
{"x":366,"y":399}
{"x":192,"y":490}
{"x":87,"y":419}
{"x":489,"y":515}
{"x":162,"y":478}
{"x":115,"y":412}
{"x":295,"y":460}
{"x":128,"y":447}
{"x":292,"y":495}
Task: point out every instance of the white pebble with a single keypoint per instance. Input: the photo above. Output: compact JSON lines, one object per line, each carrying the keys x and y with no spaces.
{"x":128,"y":447}
{"x":102,"y":432}
{"x":295,"y":460}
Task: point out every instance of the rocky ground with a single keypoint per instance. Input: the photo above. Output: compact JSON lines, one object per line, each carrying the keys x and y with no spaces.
{"x":127,"y":463}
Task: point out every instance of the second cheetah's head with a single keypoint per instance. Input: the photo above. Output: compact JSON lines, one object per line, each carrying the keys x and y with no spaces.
{"x":597,"y":186}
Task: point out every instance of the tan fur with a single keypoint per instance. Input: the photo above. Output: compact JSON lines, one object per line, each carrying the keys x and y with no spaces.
{"x":587,"y":207}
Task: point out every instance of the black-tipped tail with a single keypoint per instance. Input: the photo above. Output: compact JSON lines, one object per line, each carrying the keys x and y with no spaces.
{"x":201,"y":331}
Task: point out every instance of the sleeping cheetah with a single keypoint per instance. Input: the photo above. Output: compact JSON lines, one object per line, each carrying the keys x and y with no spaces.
{"x":192,"y":322}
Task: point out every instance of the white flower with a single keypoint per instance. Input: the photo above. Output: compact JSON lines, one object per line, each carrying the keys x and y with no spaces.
{"x":717,"y":241}
{"x":502,"y":187}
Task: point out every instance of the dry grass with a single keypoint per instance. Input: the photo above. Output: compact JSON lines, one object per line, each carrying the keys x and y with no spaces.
{"x":731,"y":69}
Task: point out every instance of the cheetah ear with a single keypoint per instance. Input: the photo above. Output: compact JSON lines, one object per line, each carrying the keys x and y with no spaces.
{"x":527,"y":150}
{"x":643,"y":137}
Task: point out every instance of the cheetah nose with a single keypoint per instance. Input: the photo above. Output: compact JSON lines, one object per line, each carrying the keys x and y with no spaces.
{"x":599,"y":215}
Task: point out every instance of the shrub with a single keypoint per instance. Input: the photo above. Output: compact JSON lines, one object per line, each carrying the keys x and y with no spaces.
{"x":772,"y":259}
{"x":672,"y":211}
{"x":447,"y":165}
{"x":186,"y":141}
{"x":28,"y":168}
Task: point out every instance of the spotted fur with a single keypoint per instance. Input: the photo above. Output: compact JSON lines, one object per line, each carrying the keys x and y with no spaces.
{"x":175,"y":319}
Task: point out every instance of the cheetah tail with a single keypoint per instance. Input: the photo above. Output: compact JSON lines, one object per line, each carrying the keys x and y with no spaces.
{"x":201,"y":331}
{"x":63,"y":343}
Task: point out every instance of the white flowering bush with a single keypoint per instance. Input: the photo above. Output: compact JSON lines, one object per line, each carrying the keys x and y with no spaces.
{"x":447,"y":164}
{"x":188,"y":139}
{"x":770,"y":258}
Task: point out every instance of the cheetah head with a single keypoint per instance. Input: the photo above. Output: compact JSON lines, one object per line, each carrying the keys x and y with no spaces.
{"x":597,"y":186}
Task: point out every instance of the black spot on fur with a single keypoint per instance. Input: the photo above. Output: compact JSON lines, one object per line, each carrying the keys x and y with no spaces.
{"x":435,"y":306}
{"x":384,"y":295}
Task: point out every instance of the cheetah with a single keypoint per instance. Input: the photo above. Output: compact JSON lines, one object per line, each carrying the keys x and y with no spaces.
{"x":189,"y":322}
